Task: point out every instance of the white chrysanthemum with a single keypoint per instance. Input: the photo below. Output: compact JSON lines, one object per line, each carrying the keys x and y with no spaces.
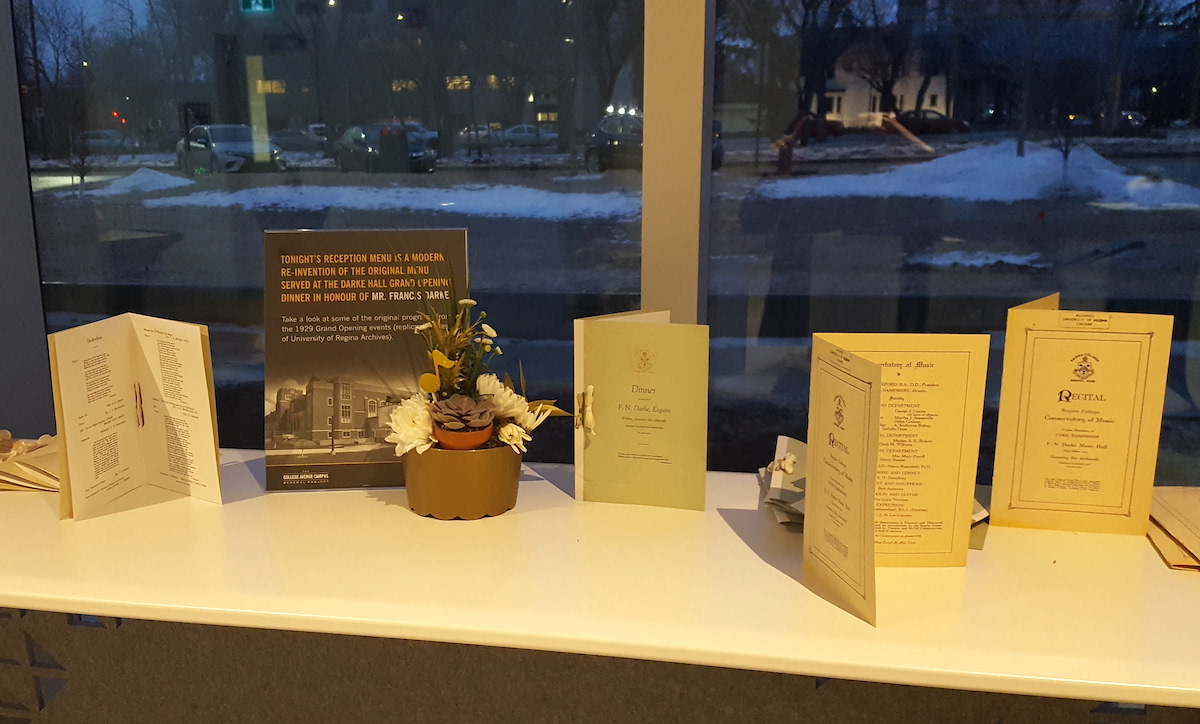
{"x":468,"y":303}
{"x":513,"y":436}
{"x":530,"y":420}
{"x":505,"y":403}
{"x":487,"y":329}
{"x":412,"y":426}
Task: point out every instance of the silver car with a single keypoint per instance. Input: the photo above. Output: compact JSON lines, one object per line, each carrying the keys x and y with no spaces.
{"x":527,"y":135}
{"x":225,"y":148}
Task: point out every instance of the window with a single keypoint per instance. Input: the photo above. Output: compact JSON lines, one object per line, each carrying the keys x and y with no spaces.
{"x":346,"y":390}
{"x":872,"y":246}
{"x":346,"y":414}
{"x":329,"y":421}
{"x":372,"y":408}
{"x":329,"y":401}
{"x":345,"y":433}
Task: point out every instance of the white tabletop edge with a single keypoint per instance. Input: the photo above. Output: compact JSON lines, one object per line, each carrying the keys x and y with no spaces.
{"x":241,"y":606}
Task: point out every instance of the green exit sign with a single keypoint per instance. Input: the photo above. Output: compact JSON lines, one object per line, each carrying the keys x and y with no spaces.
{"x":258,"y":6}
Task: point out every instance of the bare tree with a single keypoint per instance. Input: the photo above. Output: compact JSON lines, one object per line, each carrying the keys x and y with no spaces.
{"x":881,"y":54}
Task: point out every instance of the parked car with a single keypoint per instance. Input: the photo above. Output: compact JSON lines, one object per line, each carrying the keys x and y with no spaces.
{"x":527,"y":134}
{"x":1131,"y":120}
{"x":476,"y":136}
{"x":106,"y":143}
{"x":928,"y":121}
{"x":298,"y":139}
{"x":225,"y":148}
{"x":430,"y":138}
{"x":616,"y":141}
{"x":380,"y":147}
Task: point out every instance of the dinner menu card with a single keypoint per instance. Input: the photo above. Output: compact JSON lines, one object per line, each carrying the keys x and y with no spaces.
{"x":843,"y":451}
{"x":136,"y":414}
{"x":1081,"y":404}
{"x":641,"y":392}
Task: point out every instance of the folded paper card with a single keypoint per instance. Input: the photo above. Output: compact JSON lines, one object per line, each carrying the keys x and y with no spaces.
{"x":931,"y":414}
{"x":29,"y":464}
{"x":1176,"y":511}
{"x":839,"y":506}
{"x":641,"y":390}
{"x":136,"y":414}
{"x":1081,"y":404}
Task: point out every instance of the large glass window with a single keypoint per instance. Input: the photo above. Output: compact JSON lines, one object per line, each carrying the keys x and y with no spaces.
{"x":166,"y":135}
{"x":923,"y":165}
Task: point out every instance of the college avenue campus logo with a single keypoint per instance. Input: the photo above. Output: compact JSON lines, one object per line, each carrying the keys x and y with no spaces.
{"x":1085,"y":366}
{"x":644,"y":361}
{"x":839,"y":411}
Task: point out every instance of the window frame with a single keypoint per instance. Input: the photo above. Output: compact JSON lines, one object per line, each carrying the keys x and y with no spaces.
{"x":678,"y":69}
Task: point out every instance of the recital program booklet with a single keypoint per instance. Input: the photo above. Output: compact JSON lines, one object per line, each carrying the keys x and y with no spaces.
{"x":136,"y":414}
{"x":839,"y":505}
{"x":340,"y":311}
{"x":1081,"y":404}
{"x":931,"y":413}
{"x":641,"y":390}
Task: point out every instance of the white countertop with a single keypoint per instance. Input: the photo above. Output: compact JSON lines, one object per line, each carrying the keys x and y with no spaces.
{"x":1076,"y":615}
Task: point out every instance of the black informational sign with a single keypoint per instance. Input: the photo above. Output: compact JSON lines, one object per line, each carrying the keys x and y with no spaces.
{"x":340,"y":311}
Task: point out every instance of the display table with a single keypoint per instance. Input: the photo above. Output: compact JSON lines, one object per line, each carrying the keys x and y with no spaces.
{"x":1056,"y":614}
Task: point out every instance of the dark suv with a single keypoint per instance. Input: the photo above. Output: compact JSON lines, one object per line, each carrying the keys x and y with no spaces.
{"x":379,"y":147}
{"x":616,"y":141}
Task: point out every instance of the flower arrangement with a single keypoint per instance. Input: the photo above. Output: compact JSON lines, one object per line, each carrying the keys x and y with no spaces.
{"x":461,"y":404}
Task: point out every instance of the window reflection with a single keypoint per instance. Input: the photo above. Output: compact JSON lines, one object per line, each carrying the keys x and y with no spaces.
{"x":166,"y":135}
{"x":922,"y":166}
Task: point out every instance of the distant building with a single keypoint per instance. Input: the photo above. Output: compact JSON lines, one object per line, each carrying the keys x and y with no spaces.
{"x":340,"y":408}
{"x":855,"y":103}
{"x":851,"y":100}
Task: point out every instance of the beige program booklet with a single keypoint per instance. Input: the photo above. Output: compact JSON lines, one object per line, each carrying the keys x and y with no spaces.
{"x":931,"y":414}
{"x":136,"y":414}
{"x":839,"y":504}
{"x":641,"y":390}
{"x":1081,"y":404}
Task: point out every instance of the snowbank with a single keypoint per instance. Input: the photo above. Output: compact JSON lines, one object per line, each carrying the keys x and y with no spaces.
{"x":143,"y":180}
{"x":995,"y":173}
{"x":474,"y":200}
{"x":978,"y":259}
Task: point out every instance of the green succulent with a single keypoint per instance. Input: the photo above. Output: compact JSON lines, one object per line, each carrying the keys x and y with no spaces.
{"x":461,"y":414}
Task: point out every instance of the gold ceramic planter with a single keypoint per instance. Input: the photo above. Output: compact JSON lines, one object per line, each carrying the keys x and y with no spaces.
{"x":466,"y":484}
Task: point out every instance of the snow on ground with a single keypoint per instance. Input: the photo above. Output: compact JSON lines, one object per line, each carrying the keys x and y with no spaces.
{"x":995,"y":173}
{"x":578,"y":177}
{"x":142,"y":180}
{"x":978,"y":259}
{"x":474,"y":200}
